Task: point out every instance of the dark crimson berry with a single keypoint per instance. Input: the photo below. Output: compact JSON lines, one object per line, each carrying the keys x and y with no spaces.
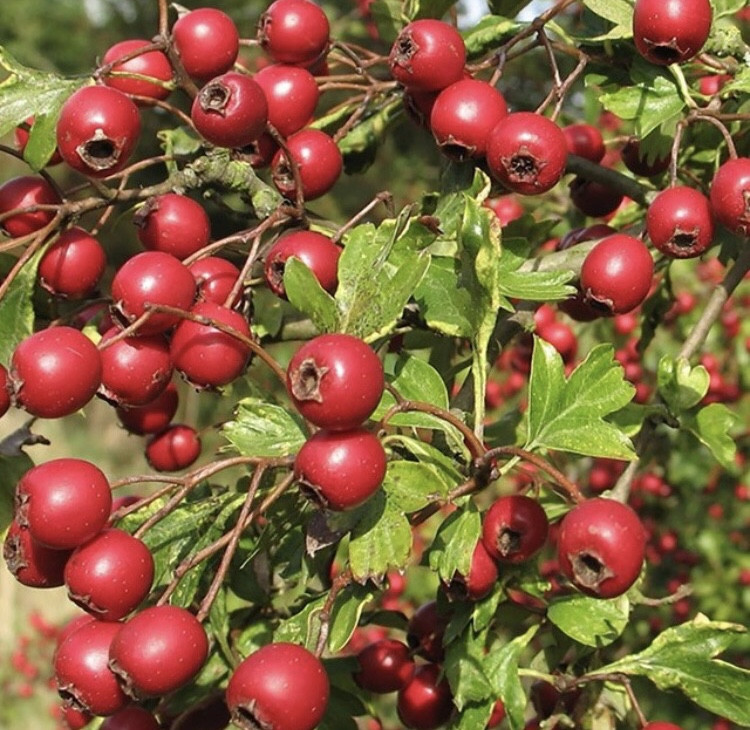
{"x":318,"y":252}
{"x":207,"y":42}
{"x":335,"y":381}
{"x":152,"y":277}
{"x":481,"y":579}
{"x":428,"y":55}
{"x":55,"y":372}
{"x":616,"y":275}
{"x":75,"y":719}
{"x":158,"y":650}
{"x":547,"y":699}
{"x":215,"y":278}
{"x":294,"y":31}
{"x":83,"y":677}
{"x":210,"y":714}
{"x":679,"y":222}
{"x":514,"y":528}
{"x":527,"y":153}
{"x":31,"y":563}
{"x":730,"y":195}
{"x":579,"y":235}
{"x":73,"y":265}
{"x":109,"y":575}
{"x":4,"y":391}
{"x":585,"y":141}
{"x":207,"y":356}
{"x":593,"y":198}
{"x":292,"y":95}
{"x":26,"y":191}
{"x":173,"y":224}
{"x":384,"y":666}
{"x":673,"y":32}
{"x":425,"y":631}
{"x":426,"y":702}
{"x":642,"y":165}
{"x":174,"y":448}
{"x":600,"y":547}
{"x":230,"y":110}
{"x":498,"y":714}
{"x":131,"y":718}
{"x":260,"y":153}
{"x":97,"y":130}
{"x":317,"y":160}
{"x":418,"y":105}
{"x":63,"y":502}
{"x":340,"y":469}
{"x":260,"y":690}
{"x":152,"y":417}
{"x":153,"y":64}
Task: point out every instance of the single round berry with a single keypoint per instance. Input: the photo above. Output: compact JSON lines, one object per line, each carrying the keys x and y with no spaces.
{"x":318,"y":252}
{"x":31,"y":563}
{"x":561,"y":337}
{"x":498,"y":714}
{"x":207,"y":42}
{"x":294,"y":31}
{"x":514,"y":528}
{"x":131,"y":718}
{"x":481,"y":578}
{"x":109,"y":575}
{"x":215,"y":278}
{"x":174,"y":448}
{"x":335,"y":381}
{"x":340,"y":469}
{"x":730,"y":195}
{"x":260,"y":689}
{"x":63,"y":502}
{"x":594,"y":198}
{"x":22,"y":192}
{"x":73,"y":265}
{"x":55,"y":372}
{"x":425,"y":631}
{"x":427,"y":55}
{"x":74,"y":719}
{"x":292,"y":95}
{"x":680,"y":223}
{"x":384,"y":666}
{"x":153,"y":64}
{"x":527,"y":153}
{"x":616,"y":275}
{"x":505,"y":207}
{"x":152,"y":417}
{"x":585,"y":140}
{"x":641,"y":164}
{"x":318,"y":162}
{"x":601,"y":546}
{"x":174,"y":224}
{"x":426,"y":702}
{"x":97,"y":130}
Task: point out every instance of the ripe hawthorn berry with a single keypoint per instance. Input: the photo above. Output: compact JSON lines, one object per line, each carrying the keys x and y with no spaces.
{"x":294,"y":32}
{"x":730,"y":195}
{"x":262,"y":687}
{"x":640,"y":164}
{"x":426,"y":702}
{"x":594,"y":198}
{"x":97,"y":130}
{"x":55,"y":372}
{"x":26,"y":191}
{"x":585,"y":140}
{"x":174,"y":448}
{"x":661,"y":726}
{"x":73,"y":265}
{"x":110,"y":574}
{"x":547,"y":699}
{"x":174,"y":224}
{"x":340,"y":469}
{"x":505,"y":207}
{"x":679,"y":222}
{"x":427,"y":55}
{"x":209,"y":714}
{"x":153,"y":416}
{"x":75,"y":719}
{"x":498,"y":714}
{"x":153,"y":64}
{"x":4,"y":391}
{"x":215,"y":278}
{"x":292,"y":95}
{"x":425,"y":631}
{"x":158,"y":650}
{"x":318,"y":252}
{"x":481,"y":579}
{"x":207,"y":42}
{"x":601,"y":546}
{"x":31,"y":563}
{"x":527,"y":153}
{"x":131,"y":718}
{"x":335,"y":381}
{"x":514,"y":528}
{"x":384,"y":666}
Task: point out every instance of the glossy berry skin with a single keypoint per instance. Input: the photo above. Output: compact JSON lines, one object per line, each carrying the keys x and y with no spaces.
{"x":73,"y":265}
{"x":463,"y":116}
{"x":207,"y":41}
{"x":55,"y":372}
{"x":593,"y":198}
{"x":174,"y":224}
{"x":83,"y":677}
{"x":109,"y":575}
{"x":679,"y":222}
{"x":616,"y":275}
{"x":174,"y":448}
{"x":294,"y":31}
{"x":585,"y":140}
{"x":335,"y":381}
{"x":425,"y":631}
{"x":158,"y":650}
{"x":75,"y":719}
{"x":31,"y":563}
{"x":505,"y":207}
{"x":131,"y":718}
{"x":527,"y":153}
{"x":98,"y":130}
{"x":26,"y":191}
{"x":215,"y":278}
{"x":730,"y":195}
{"x":152,"y":277}
{"x":153,"y":64}
{"x":318,"y":252}
{"x":63,"y":502}
{"x":426,"y":702}
{"x":230,"y":110}
{"x":427,"y":55}
{"x":514,"y":528}
{"x":260,"y":692}
{"x":340,"y":469}
{"x":206,"y":356}
{"x":4,"y":391}
{"x":317,"y":158}
{"x":670,"y":32}
{"x":483,"y":575}
{"x":642,"y":165}
{"x":661,"y":726}
{"x":152,"y":417}
{"x":384,"y":666}
{"x":292,"y":95}
{"x":498,"y":714}
{"x":601,"y":546}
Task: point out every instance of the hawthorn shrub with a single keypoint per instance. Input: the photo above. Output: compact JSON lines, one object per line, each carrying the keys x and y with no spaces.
{"x":483,"y":456}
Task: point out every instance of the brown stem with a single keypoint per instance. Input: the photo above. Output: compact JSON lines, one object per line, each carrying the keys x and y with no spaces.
{"x":163,"y":18}
{"x":383,"y":197}
{"x":340,"y":582}
{"x":722,"y":128}
{"x":299,"y":198}
{"x":27,"y":255}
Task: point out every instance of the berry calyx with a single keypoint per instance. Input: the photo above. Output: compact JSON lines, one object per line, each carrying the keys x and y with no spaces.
{"x":680,"y":223}
{"x":514,"y":528}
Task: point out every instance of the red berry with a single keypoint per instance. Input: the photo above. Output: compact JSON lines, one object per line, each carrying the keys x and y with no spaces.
{"x":426,"y":702}
{"x":294,"y":31}
{"x":4,"y":391}
{"x":482,"y":576}
{"x":152,"y":417}
{"x":384,"y":666}
{"x":679,"y":222}
{"x":174,"y":224}
{"x":174,"y":448}
{"x":207,"y":42}
{"x":153,"y":64}
{"x":585,"y":141}
{"x":425,"y":631}
{"x":73,"y":265}
{"x":514,"y":528}
{"x":505,"y":207}
{"x":292,"y":95}
{"x":593,"y":198}
{"x":215,"y":278}
{"x":26,"y":191}
{"x":673,"y":32}
{"x":498,"y":714}
{"x":317,"y":159}
{"x":661,"y":726}
{"x":131,"y":718}
{"x":644,"y":166}
{"x":318,"y":252}
{"x":730,"y":195}
{"x":31,"y":563}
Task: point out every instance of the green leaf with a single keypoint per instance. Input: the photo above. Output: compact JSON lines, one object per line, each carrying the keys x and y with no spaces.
{"x":464,"y":668}
{"x":712,"y":426}
{"x":427,"y":454}
{"x":568,"y":414}
{"x":411,"y":485}
{"x":304,"y":626}
{"x":12,"y":468}
{"x":508,"y":8}
{"x":218,"y":620}
{"x":452,"y":549}
{"x":306,"y":294}
{"x":681,"y":385}
{"x":345,"y":614}
{"x":389,"y":18}
{"x":443,"y":302}
{"x":605,"y":620}
{"x":684,"y":658}
{"x":543,"y":286}
{"x":473,"y":716}
{"x":489,"y":33}
{"x":263,"y":429}
{"x":42,"y":140}
{"x":619,"y":12}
